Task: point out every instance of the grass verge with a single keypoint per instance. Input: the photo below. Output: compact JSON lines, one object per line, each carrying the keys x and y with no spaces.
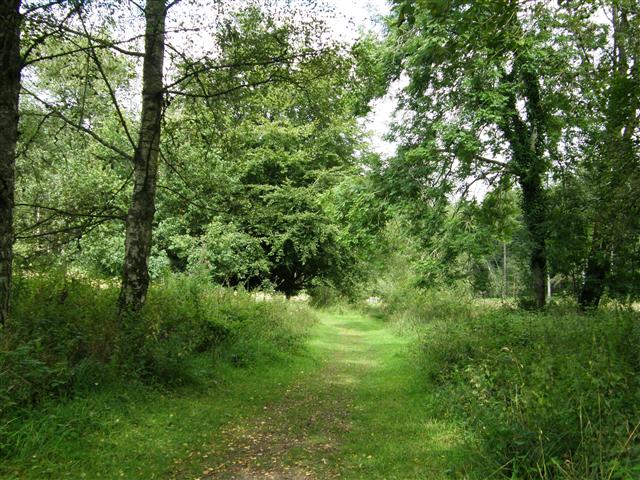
{"x":552,"y":394}
{"x":75,"y":403}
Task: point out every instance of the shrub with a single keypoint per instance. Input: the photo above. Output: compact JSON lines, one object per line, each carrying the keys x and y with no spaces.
{"x":324,"y":294}
{"x":64,"y":337}
{"x":416,"y":307}
{"x":551,"y":395}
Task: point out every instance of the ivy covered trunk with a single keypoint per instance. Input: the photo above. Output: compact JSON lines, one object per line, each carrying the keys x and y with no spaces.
{"x":10,"y":65}
{"x":135,"y":279}
{"x":534,"y":212}
{"x":526,"y":139}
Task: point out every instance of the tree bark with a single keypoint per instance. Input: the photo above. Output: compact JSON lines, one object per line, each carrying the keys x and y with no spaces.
{"x":595,"y":275}
{"x":135,"y":278}
{"x":526,"y":139}
{"x":504,"y":270}
{"x":10,"y":67}
{"x":534,"y":212}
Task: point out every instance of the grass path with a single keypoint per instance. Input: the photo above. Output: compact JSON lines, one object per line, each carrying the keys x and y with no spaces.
{"x":352,"y":406}
{"x":360,"y":413}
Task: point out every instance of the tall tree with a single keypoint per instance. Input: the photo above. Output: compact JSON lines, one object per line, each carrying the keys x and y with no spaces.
{"x":139,"y":227}
{"x":482,"y":97}
{"x":10,"y":66}
{"x":251,"y":180}
{"x":613,"y":165}
{"x":251,"y":45}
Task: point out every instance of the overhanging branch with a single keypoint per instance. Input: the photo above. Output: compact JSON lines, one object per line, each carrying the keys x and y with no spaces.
{"x":78,"y":127}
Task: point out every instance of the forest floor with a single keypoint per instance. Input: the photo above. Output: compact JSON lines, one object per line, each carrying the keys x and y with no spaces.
{"x":351,"y":406}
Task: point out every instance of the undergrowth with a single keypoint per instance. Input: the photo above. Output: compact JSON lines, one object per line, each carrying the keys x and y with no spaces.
{"x":550,"y":395}
{"x":64,"y":342}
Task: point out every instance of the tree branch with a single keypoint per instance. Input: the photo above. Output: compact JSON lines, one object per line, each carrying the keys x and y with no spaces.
{"x":81,"y":128}
{"x":112,"y":93}
{"x":492,"y":161}
{"x":98,"y":42}
{"x":219,"y":93}
{"x":82,"y":228}
{"x":71,"y":214}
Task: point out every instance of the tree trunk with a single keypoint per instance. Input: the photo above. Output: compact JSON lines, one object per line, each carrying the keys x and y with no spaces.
{"x":598,"y":264}
{"x":526,"y":147}
{"x":534,"y":212}
{"x":504,"y":270}
{"x":135,"y":278}
{"x":525,"y":136}
{"x":526,"y":139}
{"x":616,"y":149}
{"x":10,"y":66}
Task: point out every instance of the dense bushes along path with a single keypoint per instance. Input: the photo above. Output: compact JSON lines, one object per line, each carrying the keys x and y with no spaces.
{"x":360,"y":412}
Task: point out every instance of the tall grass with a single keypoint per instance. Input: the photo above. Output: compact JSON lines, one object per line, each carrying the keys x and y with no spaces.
{"x":64,"y":341}
{"x":550,"y":395}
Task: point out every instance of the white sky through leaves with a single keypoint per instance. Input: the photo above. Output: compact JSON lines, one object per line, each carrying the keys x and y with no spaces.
{"x":354,"y":16}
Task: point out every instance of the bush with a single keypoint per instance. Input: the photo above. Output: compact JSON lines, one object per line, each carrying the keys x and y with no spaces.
{"x":551,"y":395}
{"x":415,"y":307}
{"x":64,"y":338}
{"x":187,"y":314}
{"x":324,"y":294}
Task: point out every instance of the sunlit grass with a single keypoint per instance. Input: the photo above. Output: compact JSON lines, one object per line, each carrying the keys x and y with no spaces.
{"x":393,"y":433}
{"x":141,"y":432}
{"x":351,"y":405}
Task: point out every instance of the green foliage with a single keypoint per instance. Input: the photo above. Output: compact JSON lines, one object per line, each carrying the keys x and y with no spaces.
{"x":248,"y":152}
{"x":247,"y":192}
{"x":538,"y":93}
{"x":64,"y":339}
{"x":324,"y":295}
{"x":267,"y":181}
{"x":413,"y":307}
{"x":551,"y":395}
{"x":227,"y":253}
{"x":25,"y":379}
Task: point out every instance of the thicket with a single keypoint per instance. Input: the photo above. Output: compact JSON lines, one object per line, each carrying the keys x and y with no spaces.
{"x":541,"y":98}
{"x":65,"y":340}
{"x":552,"y":394}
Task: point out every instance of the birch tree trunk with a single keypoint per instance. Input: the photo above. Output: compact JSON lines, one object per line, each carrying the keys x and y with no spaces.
{"x":10,"y":66}
{"x":135,"y":278}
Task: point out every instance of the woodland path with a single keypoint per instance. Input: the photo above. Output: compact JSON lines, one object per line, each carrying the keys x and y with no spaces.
{"x":360,"y":413}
